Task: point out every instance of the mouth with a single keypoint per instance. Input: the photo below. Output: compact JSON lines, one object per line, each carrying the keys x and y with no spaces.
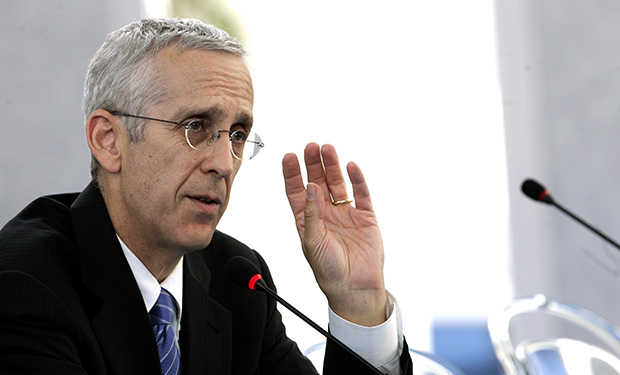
{"x":206,"y":200}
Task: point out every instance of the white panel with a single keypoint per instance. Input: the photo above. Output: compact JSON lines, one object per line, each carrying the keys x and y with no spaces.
{"x":560,"y":72}
{"x":46,"y":46}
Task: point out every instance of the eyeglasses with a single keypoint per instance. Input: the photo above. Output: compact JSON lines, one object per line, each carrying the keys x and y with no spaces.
{"x":201,"y":133}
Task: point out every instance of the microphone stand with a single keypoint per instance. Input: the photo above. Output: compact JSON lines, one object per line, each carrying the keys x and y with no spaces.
{"x":260,"y":285}
{"x":578,"y":219}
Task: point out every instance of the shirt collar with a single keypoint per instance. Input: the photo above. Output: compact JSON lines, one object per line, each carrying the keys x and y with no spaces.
{"x":150,"y":288}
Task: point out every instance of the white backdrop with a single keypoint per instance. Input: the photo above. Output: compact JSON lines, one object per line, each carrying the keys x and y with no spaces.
{"x":410,"y":92}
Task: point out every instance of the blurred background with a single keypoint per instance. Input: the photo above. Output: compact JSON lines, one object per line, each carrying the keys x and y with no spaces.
{"x":447,"y":106}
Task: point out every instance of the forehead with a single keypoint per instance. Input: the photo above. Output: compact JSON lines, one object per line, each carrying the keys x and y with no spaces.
{"x":204,"y":79}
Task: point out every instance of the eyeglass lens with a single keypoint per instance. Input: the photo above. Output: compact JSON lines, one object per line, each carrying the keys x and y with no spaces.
{"x":201,"y":135}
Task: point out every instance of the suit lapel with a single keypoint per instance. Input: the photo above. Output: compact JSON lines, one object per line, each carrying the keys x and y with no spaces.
{"x":114,"y":305}
{"x":206,"y":326}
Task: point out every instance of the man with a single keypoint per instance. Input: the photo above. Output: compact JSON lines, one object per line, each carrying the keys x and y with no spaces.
{"x":127,"y":277}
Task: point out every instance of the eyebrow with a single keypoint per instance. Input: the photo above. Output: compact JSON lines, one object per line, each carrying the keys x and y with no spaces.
{"x":214,"y":114}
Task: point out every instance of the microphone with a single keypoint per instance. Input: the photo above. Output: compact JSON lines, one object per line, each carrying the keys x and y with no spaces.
{"x":246,"y":275}
{"x":537,"y":192}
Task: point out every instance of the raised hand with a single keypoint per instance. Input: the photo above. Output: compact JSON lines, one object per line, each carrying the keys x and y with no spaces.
{"x":341,"y":240}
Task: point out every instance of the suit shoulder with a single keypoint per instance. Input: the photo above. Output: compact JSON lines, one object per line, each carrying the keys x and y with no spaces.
{"x":224,"y":247}
{"x":44,"y":224}
{"x":221,"y":239}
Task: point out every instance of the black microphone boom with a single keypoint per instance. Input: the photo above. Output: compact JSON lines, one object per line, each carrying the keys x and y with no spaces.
{"x":538,"y":192}
{"x":245,"y":274}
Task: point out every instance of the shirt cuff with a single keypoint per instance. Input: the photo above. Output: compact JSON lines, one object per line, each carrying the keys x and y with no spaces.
{"x":380,"y":345}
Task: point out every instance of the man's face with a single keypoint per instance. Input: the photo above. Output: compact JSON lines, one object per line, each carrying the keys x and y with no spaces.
{"x":173,"y":196}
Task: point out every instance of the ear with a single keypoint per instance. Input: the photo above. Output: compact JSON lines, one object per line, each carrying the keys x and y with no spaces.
{"x":104,"y":135}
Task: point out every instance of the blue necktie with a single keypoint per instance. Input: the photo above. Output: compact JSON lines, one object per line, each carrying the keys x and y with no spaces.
{"x":162,"y":315}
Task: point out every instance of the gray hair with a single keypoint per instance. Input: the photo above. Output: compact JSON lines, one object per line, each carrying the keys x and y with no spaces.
{"x":120,"y":77}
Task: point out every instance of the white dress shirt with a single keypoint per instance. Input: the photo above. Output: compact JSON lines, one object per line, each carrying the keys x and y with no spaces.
{"x":381,"y":345}
{"x":150,"y":288}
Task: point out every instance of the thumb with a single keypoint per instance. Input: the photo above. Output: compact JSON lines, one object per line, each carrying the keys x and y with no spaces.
{"x":313,"y":217}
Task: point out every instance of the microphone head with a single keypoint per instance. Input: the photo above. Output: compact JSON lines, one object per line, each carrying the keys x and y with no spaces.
{"x":536,"y":191}
{"x":242,"y":272}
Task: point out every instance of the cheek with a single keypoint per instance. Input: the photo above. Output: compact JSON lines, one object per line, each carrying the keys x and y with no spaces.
{"x":229,"y":184}
{"x":166,"y":166}
{"x":145,"y":173}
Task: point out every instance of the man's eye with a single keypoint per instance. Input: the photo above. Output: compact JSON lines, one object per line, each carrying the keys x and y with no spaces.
{"x":196,"y":125}
{"x":239,"y":136}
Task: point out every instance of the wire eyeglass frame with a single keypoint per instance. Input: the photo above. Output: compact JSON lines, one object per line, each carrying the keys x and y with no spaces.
{"x":237,"y":137}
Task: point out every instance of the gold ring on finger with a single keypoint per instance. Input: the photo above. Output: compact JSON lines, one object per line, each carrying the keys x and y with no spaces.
{"x":344,"y":201}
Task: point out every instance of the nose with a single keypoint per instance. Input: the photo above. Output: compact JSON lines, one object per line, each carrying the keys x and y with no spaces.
{"x":219,"y":158}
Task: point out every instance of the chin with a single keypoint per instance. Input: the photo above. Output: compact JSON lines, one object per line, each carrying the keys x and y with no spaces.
{"x":194,"y":236}
{"x":199,"y":242}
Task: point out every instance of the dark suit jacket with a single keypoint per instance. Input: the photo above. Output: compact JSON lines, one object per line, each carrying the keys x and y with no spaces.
{"x":69,"y":303}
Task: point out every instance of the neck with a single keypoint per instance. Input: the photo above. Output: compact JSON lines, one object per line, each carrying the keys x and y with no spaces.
{"x":159,"y":260}
{"x":159,"y":267}
{"x":159,"y":270}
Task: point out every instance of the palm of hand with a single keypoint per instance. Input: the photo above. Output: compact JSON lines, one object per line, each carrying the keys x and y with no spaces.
{"x":341,"y":243}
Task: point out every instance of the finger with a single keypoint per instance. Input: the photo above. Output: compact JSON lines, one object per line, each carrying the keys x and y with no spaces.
{"x":294,"y":184}
{"x":333,"y":173}
{"x":361,"y":194}
{"x":314,"y":167}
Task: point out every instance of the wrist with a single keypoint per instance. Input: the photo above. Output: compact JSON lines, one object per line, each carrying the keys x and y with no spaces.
{"x":364,"y":308}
